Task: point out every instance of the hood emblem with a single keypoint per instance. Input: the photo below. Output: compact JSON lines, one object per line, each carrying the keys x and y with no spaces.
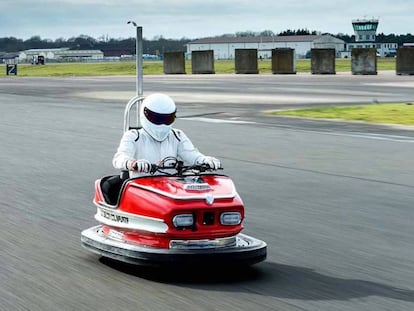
{"x":209,"y":199}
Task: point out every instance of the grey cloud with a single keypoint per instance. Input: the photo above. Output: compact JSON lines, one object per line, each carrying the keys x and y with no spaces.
{"x":194,"y":18}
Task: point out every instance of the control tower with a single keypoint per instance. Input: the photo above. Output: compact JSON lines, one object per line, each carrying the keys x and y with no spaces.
{"x":365,"y":29}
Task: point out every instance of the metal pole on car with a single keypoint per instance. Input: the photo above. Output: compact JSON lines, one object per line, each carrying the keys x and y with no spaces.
{"x":139,"y":60}
{"x":139,"y":76}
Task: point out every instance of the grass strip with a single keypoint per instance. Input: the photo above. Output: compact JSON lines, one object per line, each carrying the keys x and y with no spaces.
{"x":390,"y":113}
{"x":157,"y":68}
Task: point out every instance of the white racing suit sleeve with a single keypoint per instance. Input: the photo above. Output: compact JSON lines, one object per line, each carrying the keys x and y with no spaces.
{"x":126,"y":150}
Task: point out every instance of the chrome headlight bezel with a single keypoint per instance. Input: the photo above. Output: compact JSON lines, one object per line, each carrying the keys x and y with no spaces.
{"x":183,"y":220}
{"x":230,"y":218}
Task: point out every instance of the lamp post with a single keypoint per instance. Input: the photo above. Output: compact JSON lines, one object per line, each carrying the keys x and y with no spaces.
{"x":138,"y":56}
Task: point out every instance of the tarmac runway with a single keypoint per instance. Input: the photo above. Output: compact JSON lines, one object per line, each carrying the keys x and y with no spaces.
{"x":333,"y":200}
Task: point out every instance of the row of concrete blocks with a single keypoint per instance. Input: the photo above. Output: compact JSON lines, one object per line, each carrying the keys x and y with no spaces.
{"x":363,"y":61}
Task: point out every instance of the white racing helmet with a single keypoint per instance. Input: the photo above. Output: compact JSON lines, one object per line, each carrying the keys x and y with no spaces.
{"x":158,"y":115}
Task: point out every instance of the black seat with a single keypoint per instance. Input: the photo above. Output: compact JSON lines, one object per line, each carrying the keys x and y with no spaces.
{"x":111,"y":187}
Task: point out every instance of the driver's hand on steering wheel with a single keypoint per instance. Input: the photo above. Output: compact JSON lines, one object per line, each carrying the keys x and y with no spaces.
{"x":140,"y":166}
{"x":212,"y":162}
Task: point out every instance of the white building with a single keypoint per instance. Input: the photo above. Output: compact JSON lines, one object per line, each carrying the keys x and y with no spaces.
{"x":224,"y":47}
{"x":61,"y":54}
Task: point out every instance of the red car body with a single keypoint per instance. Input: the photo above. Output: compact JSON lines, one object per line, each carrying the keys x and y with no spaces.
{"x":140,"y":228}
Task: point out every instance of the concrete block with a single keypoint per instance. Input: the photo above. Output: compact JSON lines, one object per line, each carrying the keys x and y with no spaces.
{"x":364,"y":61}
{"x":174,"y":63}
{"x":283,"y":61}
{"x":246,"y":61}
{"x":405,"y":61}
{"x":323,"y":61}
{"x":202,"y":62}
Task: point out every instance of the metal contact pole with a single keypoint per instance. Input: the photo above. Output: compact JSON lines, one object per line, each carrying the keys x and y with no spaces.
{"x":139,"y":74}
{"x":138,"y":59}
{"x":139,"y":55}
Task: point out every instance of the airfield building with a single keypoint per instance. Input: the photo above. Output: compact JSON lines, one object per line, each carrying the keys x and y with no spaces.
{"x":224,"y":47}
{"x":60,"y":54}
{"x":365,"y":37}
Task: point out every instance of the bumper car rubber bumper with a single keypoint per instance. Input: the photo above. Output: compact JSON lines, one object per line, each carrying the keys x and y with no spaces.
{"x":247,"y":251}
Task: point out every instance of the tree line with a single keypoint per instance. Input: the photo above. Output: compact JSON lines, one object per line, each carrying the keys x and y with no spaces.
{"x":159,"y":45}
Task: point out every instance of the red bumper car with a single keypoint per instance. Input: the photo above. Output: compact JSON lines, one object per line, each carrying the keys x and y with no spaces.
{"x":178,"y":215}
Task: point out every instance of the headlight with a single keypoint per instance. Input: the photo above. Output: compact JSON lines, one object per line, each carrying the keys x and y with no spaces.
{"x":230,"y":218}
{"x":183,"y":220}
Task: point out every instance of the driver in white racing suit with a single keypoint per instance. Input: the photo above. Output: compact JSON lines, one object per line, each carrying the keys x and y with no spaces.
{"x":157,"y":140}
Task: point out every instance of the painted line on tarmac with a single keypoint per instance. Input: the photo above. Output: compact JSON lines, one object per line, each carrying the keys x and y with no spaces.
{"x":384,"y":137}
{"x":394,"y":138}
{"x":211,"y":120}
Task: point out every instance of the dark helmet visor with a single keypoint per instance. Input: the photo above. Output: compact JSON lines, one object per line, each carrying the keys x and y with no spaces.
{"x":159,"y":118}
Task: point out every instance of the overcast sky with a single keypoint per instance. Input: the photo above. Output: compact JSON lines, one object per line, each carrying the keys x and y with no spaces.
{"x":52,"y":19}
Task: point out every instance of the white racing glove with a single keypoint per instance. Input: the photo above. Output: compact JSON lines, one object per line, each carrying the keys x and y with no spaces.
{"x":140,"y":166}
{"x":212,"y":162}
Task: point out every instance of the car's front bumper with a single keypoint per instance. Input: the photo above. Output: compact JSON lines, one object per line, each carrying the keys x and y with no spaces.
{"x":246,"y":251}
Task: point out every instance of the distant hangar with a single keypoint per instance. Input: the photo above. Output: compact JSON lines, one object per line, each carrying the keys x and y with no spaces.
{"x":60,"y":54}
{"x":224,"y":47}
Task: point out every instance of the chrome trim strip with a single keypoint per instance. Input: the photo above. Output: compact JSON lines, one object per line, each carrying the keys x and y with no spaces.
{"x":203,"y":244}
{"x":197,"y":187}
